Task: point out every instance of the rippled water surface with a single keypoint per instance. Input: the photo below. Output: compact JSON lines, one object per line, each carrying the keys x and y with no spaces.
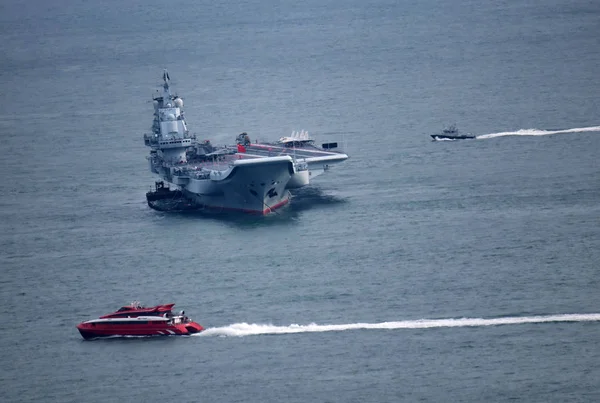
{"x":418,"y":270}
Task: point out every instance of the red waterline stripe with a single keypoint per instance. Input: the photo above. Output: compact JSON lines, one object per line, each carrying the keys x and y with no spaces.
{"x":249,"y":211}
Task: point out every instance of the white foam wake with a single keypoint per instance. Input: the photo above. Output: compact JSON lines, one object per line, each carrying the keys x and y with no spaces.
{"x":246,"y":329}
{"x":537,"y":132}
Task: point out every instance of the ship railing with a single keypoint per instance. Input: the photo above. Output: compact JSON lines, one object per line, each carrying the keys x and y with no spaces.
{"x":182,"y":172}
{"x":154,"y":137}
{"x":176,"y":319}
{"x":150,"y":138}
{"x":202,"y":175}
{"x":195,"y":173}
{"x":301,"y":165}
{"x":186,"y":135}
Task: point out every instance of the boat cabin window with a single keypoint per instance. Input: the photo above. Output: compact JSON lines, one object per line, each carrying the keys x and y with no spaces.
{"x":126,"y":322}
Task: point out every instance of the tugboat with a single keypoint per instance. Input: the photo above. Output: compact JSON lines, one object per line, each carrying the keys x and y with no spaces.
{"x":135,"y":320}
{"x":162,"y":198}
{"x":451,"y":133}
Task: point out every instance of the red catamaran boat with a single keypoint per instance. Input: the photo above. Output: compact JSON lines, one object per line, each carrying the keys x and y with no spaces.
{"x":136,"y":320}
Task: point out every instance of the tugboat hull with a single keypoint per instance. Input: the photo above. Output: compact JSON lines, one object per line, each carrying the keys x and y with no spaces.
{"x":168,"y":200}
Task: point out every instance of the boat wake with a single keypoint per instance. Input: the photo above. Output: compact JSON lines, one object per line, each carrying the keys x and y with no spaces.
{"x":246,"y":329}
{"x":537,"y":132}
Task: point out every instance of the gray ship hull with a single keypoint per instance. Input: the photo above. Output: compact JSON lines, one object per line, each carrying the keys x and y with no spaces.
{"x":250,"y":186}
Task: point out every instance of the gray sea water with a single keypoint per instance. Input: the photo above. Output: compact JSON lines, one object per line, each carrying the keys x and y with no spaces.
{"x":416,"y":271}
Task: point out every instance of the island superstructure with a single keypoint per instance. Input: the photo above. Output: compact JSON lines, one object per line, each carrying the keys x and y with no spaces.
{"x":248,"y":177}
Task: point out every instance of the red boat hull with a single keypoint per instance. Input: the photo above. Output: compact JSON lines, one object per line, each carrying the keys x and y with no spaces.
{"x":96,"y":330}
